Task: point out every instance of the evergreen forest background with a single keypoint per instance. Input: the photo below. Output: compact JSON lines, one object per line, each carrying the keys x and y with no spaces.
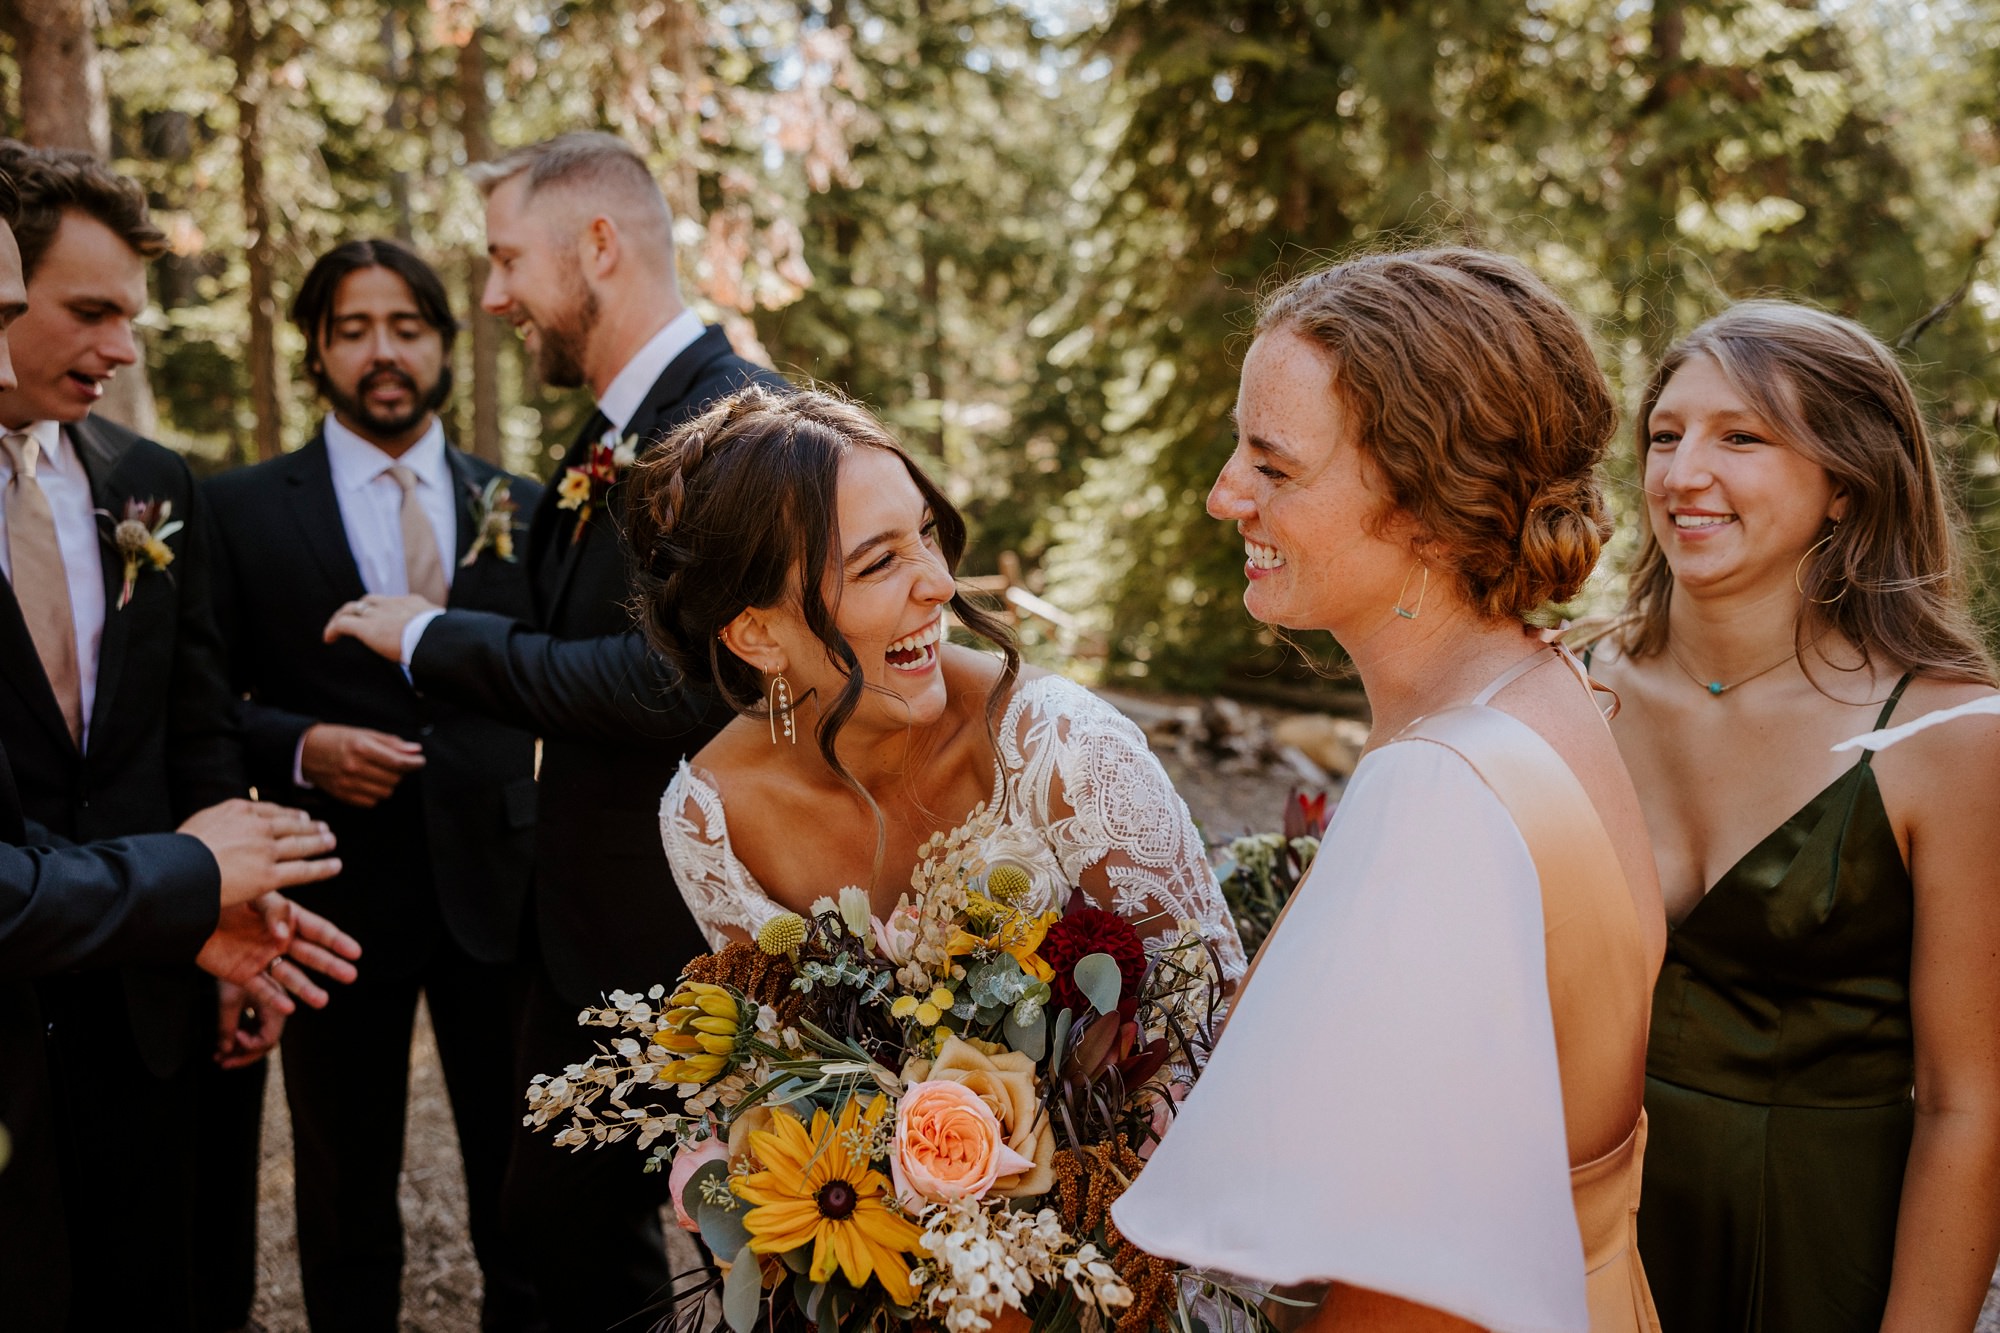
{"x":1029,"y":232}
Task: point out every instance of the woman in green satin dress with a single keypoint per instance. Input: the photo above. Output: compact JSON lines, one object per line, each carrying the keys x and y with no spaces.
{"x":1823,"y":1073}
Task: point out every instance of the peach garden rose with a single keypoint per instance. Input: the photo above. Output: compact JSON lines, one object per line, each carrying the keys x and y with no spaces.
{"x":1005,"y":1081}
{"x":949,"y":1145}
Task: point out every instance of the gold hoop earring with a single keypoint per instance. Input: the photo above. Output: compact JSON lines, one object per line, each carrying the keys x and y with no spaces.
{"x":778,"y":701}
{"x":1423,"y":590}
{"x":1798,"y":570}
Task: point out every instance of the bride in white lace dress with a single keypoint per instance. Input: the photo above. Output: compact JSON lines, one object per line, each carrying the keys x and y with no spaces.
{"x":797,"y":561}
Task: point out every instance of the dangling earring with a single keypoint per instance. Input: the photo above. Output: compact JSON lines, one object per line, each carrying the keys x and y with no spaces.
{"x":779,"y":701}
{"x":1798,"y":570}
{"x":1423,"y":590}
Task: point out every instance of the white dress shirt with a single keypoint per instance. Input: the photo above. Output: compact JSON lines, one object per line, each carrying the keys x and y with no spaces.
{"x":371,"y":504}
{"x":67,"y":487}
{"x":371,"y":510}
{"x":628,"y":389}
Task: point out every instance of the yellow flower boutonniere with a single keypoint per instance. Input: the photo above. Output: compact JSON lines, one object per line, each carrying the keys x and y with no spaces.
{"x":141,"y":536}
{"x":582,"y":488}
{"x":492,"y":521}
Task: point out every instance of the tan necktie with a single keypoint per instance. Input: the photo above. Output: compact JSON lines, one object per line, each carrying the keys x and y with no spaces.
{"x":41,"y":584}
{"x":420,"y":548}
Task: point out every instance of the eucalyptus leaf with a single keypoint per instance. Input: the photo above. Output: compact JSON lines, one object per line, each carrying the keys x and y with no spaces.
{"x":692,"y":1192}
{"x":1097,"y":977}
{"x":722,"y":1229}
{"x":1030,"y":1038}
{"x":1059,"y":1038}
{"x":743,"y":1291}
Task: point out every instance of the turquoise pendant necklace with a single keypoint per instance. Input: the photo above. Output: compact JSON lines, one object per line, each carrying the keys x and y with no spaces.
{"x":1716,"y":689}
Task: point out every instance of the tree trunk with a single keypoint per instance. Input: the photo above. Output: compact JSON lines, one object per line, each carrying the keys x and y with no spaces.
{"x":62,"y":86}
{"x":394,"y":70}
{"x":251,"y":85}
{"x":476,"y":129}
{"x":63,"y":105}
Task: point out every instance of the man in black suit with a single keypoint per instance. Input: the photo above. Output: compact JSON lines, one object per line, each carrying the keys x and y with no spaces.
{"x":203,"y":893}
{"x":117,"y":717}
{"x":434,"y":805}
{"x":582,"y":249}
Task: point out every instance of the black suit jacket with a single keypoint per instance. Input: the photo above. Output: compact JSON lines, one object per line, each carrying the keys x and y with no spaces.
{"x":613,"y":725}
{"x":141,"y":900}
{"x":162,"y":742}
{"x":452,"y":845}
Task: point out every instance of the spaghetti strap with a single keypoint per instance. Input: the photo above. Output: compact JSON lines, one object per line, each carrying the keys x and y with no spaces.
{"x":1895,"y":697}
{"x":1512,"y":674}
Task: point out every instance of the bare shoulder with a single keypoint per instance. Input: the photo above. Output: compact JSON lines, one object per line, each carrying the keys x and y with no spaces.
{"x":1948,"y":768}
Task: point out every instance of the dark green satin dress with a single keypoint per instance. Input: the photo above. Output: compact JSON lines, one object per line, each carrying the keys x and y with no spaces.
{"x":1778,"y":1079}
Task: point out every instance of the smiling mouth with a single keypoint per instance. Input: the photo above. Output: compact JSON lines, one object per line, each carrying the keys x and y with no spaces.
{"x":1701,"y":522}
{"x":90,"y":384}
{"x":1261,"y":556}
{"x":916,"y":652}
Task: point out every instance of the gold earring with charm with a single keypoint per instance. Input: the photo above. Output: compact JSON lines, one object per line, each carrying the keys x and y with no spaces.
{"x":778,"y":699}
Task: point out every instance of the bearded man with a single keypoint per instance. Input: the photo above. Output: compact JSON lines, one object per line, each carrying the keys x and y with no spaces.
{"x":434,"y":805}
{"x":583,"y":266}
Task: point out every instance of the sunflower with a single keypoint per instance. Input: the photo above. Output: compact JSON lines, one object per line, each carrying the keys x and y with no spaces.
{"x":816,"y":1187}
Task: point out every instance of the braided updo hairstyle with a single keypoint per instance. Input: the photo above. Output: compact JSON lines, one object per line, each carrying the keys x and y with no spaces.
{"x":738,"y":508}
{"x":1480,"y":404}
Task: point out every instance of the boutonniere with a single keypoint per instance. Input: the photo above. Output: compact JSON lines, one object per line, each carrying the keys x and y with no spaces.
{"x":582,"y":488}
{"x":141,"y":536}
{"x":492,"y":520}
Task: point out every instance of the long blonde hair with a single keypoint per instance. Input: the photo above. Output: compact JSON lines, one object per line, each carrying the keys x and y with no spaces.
{"x":1890,"y":576}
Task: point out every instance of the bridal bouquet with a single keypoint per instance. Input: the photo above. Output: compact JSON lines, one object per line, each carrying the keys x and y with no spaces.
{"x":922,"y":1120}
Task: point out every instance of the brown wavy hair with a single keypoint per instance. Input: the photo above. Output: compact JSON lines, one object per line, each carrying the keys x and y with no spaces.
{"x":737,"y":501}
{"x":1480,"y":404}
{"x":1890,"y":576}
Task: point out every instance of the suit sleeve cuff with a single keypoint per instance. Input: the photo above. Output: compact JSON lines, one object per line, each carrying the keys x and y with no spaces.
{"x":412,"y":633}
{"x":299,"y":778}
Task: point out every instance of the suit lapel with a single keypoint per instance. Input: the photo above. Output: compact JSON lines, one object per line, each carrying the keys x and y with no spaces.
{"x":465,"y":488}
{"x":24,"y":667}
{"x":309,"y":490}
{"x":103,"y":461}
{"x":561,"y":528}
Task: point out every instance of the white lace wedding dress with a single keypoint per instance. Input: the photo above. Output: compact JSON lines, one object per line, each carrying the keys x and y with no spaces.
{"x":1077,"y":791}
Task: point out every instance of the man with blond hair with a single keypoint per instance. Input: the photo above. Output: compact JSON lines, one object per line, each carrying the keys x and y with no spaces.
{"x":583,"y":267}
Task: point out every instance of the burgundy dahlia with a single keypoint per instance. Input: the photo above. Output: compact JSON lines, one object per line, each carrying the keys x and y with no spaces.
{"x":1088,"y":930}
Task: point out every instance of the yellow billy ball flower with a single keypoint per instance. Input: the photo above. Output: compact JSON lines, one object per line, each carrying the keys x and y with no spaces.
{"x":1007,"y":881}
{"x":928,"y":1014}
{"x":783,"y":933}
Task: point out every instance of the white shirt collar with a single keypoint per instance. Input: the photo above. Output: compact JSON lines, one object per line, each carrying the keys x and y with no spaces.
{"x":56,"y":451}
{"x":356,"y":461}
{"x":630,"y":386}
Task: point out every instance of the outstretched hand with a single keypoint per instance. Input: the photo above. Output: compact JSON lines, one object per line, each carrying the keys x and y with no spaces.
{"x":378,"y":622}
{"x":264,"y":947}
{"x":260,"y":847}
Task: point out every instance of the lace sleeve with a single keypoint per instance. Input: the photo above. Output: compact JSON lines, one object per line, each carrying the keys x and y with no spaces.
{"x":727,"y":904}
{"x":1082,"y":772}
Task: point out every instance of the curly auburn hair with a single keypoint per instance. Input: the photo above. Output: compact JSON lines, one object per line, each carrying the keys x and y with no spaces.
{"x":1479,"y":403}
{"x":1890,"y":576}
{"x":737,"y":509}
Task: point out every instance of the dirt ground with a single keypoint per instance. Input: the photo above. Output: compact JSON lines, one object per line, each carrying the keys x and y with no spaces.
{"x":441,"y":1284}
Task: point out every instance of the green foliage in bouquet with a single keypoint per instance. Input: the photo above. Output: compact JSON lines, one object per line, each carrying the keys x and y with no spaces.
{"x":1258,"y":872}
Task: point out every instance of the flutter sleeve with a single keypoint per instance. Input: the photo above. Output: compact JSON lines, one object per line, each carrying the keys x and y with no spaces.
{"x":1384,"y":1109}
{"x":1085,"y":776}
{"x":725,"y":901}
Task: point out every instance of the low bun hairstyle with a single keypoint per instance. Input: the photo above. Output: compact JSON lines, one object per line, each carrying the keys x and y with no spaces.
{"x":1479,"y":402}
{"x":738,"y":508}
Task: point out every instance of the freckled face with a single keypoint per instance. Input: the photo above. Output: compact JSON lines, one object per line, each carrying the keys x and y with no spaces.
{"x":1732,"y":503}
{"x":1322,"y":549}
{"x":888,"y":598}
